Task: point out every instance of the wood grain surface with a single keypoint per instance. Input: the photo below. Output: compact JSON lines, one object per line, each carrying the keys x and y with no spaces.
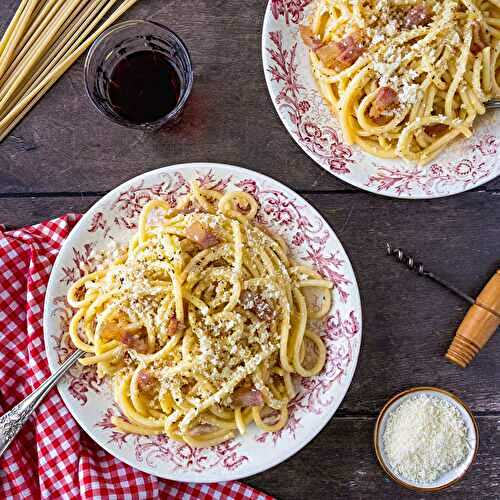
{"x":64,"y":156}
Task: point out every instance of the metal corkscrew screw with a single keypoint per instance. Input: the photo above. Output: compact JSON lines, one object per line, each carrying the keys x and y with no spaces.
{"x":408,"y":261}
{"x":418,"y":267}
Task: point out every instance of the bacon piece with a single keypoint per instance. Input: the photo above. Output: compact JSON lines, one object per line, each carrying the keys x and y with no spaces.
{"x":419,"y":15}
{"x":80,"y":293}
{"x":479,"y":41}
{"x":111,"y":331}
{"x":136,"y":342}
{"x":310,"y":354}
{"x":381,"y":119}
{"x":188,"y":209}
{"x":309,"y":38}
{"x":198,"y":233}
{"x":247,"y":396}
{"x":174,"y":326}
{"x":255,"y":303}
{"x":437,"y":129}
{"x":145,"y":381}
{"x":200,"y":429}
{"x":269,"y":415}
{"x":386,"y":100}
{"x":187,"y":388}
{"x":342,"y":54}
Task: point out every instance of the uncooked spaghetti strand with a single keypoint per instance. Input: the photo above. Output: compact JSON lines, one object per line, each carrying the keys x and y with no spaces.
{"x":20,"y":68}
{"x":14,"y":23}
{"x":16,"y":35}
{"x":37,"y":17}
{"x":42,"y":46}
{"x":12,"y":26}
{"x":8,"y":122}
{"x":31,"y":38}
{"x":44,"y":75}
{"x":24,"y":58}
{"x":22,"y":114}
{"x":58,"y":51}
{"x":61,"y":49}
{"x":61,"y":11}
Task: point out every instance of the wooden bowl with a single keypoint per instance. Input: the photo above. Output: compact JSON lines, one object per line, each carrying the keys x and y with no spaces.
{"x":450,"y":477}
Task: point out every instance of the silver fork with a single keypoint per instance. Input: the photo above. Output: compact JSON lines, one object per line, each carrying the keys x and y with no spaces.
{"x":12,"y":421}
{"x":493,"y":104}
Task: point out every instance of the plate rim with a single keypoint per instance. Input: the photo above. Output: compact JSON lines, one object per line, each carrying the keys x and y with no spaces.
{"x":190,"y":477}
{"x":376,"y":432}
{"x":343,"y":177}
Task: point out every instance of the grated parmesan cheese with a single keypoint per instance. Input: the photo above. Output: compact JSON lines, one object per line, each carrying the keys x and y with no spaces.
{"x":378,"y":37}
{"x":408,"y":93}
{"x":424,"y":438}
{"x":391,"y":28}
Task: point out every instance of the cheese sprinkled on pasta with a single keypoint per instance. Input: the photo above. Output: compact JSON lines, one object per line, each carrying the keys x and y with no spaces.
{"x":405,"y":77}
{"x":201,"y":321}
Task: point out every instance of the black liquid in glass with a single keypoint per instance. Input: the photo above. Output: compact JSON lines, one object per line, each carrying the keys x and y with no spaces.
{"x":144,"y":87}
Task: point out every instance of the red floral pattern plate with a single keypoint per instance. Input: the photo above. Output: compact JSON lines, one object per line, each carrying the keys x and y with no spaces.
{"x":465,"y":164}
{"x":311,"y":240}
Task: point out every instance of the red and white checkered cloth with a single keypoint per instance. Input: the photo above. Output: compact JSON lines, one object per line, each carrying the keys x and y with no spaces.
{"x":51,"y":457}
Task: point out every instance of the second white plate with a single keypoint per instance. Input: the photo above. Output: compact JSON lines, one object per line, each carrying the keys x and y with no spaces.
{"x":466,"y":164}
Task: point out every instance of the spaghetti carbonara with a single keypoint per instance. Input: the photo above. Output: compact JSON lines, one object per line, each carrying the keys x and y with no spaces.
{"x":405,"y":77}
{"x":201,"y":321}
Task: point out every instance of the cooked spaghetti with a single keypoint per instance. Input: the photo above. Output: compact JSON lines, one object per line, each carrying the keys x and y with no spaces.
{"x":201,"y":321}
{"x":405,"y":77}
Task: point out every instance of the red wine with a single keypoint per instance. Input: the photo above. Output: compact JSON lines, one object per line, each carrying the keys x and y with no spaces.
{"x":144,"y":87}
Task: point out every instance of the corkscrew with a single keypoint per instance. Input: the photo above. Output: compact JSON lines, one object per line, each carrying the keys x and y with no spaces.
{"x":481,"y":320}
{"x":418,"y":267}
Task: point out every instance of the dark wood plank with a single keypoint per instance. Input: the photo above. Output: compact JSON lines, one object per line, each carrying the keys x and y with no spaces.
{"x":230,"y":118}
{"x":408,"y":320}
{"x":334,"y":465}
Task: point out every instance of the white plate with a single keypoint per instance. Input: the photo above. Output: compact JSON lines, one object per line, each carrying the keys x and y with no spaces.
{"x":309,"y":237}
{"x":451,"y":476}
{"x":466,"y":164}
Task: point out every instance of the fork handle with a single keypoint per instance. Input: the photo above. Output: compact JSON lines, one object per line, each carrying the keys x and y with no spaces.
{"x":493,"y":104}
{"x":12,"y":421}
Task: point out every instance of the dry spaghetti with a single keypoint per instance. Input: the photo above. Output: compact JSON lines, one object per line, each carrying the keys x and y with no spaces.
{"x":44,"y":38}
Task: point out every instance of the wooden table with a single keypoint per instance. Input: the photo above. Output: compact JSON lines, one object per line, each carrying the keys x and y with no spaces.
{"x":65,"y":155}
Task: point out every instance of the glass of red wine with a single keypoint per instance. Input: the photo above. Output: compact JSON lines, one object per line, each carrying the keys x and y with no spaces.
{"x":139,"y":74}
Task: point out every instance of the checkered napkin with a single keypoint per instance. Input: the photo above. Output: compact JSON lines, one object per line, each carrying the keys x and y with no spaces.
{"x":51,"y":457}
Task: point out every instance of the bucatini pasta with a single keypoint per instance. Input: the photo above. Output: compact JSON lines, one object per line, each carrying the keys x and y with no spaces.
{"x":405,"y":77}
{"x":201,"y":321}
{"x":43,"y":40}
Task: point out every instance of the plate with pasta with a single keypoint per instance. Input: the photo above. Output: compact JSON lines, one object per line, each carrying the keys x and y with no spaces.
{"x":389,"y":95}
{"x":219,"y":318}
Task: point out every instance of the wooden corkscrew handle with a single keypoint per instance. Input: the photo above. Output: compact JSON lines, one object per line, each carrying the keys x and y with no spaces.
{"x":478,"y":326}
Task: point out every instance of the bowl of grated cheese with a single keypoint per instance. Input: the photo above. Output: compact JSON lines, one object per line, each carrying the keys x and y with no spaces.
{"x":426,"y":439}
